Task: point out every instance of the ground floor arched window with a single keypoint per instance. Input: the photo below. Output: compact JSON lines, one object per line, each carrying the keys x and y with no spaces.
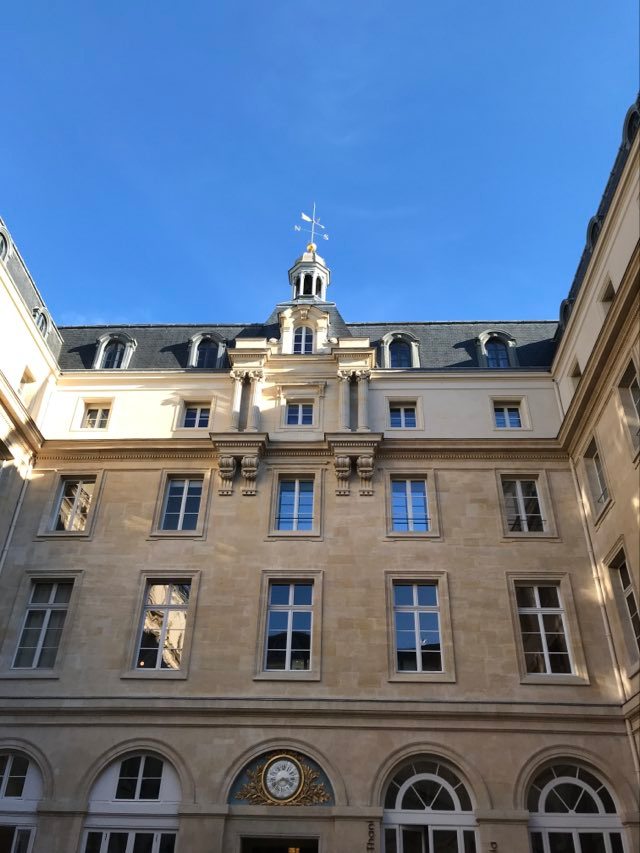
{"x":572,"y":811}
{"x":427,"y":809}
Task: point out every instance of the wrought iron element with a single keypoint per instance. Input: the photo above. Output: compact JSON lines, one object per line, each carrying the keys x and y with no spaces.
{"x":315,"y":225}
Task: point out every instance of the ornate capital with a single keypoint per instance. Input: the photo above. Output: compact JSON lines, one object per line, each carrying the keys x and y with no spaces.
{"x":255,"y":375}
{"x":363,"y":375}
{"x":344,"y":375}
{"x":226,"y":470}
{"x":237,"y":375}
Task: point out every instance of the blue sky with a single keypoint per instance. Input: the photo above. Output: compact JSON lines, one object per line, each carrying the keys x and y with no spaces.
{"x":156,"y":155}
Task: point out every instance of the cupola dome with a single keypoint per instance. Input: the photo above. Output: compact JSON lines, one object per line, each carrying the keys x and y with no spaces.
{"x":309,"y":276}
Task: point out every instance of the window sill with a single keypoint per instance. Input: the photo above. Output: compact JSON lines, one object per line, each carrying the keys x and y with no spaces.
{"x":551,"y":678}
{"x":633,"y":669}
{"x":412,"y":534}
{"x":604,"y":510}
{"x":176,"y":534}
{"x":433,"y":677}
{"x":515,"y":537}
{"x":21,"y":674}
{"x":288,"y":675}
{"x":64,"y":534}
{"x":160,"y":674}
{"x":294,"y":534}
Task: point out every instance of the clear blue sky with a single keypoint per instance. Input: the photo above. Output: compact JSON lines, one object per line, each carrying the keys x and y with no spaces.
{"x":156,"y":155}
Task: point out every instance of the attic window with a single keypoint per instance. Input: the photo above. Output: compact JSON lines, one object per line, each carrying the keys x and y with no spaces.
{"x":400,"y":354}
{"x":497,"y":354}
{"x":4,"y":246}
{"x":114,"y":352}
{"x":113,"y":355}
{"x":207,"y":353}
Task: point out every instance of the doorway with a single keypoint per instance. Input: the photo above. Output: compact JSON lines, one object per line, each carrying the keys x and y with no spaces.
{"x":279,"y":845}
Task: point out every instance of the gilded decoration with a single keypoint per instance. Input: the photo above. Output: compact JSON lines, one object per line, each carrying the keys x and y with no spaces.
{"x":311,"y":788}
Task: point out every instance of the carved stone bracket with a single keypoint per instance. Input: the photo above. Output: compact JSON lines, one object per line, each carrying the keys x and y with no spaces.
{"x":362,"y":450}
{"x":233,"y":448}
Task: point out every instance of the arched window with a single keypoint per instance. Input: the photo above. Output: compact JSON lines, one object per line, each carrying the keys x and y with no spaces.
{"x":20,"y":794}
{"x":133,"y":807}
{"x":307,"y":288}
{"x":4,"y":246}
{"x":303,"y":341}
{"x":207,"y":353}
{"x":497,"y":353}
{"x":427,"y":807}
{"x":318,"y":286}
{"x":400,"y":354}
{"x":41,"y":321}
{"x":113,"y":355}
{"x":572,"y":811}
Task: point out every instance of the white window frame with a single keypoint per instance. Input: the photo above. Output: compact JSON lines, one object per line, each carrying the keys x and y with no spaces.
{"x":131,"y":832}
{"x":187,"y":481}
{"x":403,"y":405}
{"x":416,"y":609}
{"x":165,"y":608}
{"x":49,"y":607}
{"x":129,"y":347}
{"x":625,"y":609}
{"x":539,"y":611}
{"x":628,"y":392}
{"x":544,"y":502}
{"x":312,"y":576}
{"x":306,"y":333}
{"x":157,"y":530}
{"x":598,"y":489}
{"x":104,"y":413}
{"x":428,"y":477}
{"x":300,"y":404}
{"x":76,"y":505}
{"x":295,"y":516}
{"x":49,"y":518}
{"x":504,"y":406}
{"x":290,"y":608}
{"x":199,"y":407}
{"x":19,"y":826}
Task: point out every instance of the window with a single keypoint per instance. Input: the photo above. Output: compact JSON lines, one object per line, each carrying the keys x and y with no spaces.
{"x":629,"y":390}
{"x":402,"y":415}
{"x":96,"y":416}
{"x":74,"y":502}
{"x":207,"y":356}
{"x":116,"y":841}
{"x":400,"y":354}
{"x":542,"y":629}
{"x":497,"y":354}
{"x":299,"y":414}
{"x":43,"y":624}
{"x":295,"y":504}
{"x":164,"y":620}
{"x":626,"y":596}
{"x":289,"y":618}
{"x":113,"y":355}
{"x":14,"y":839}
{"x":196,"y":416}
{"x":522,"y":506}
{"x":416,"y":616}
{"x":140,"y":777}
{"x":4,"y":246}
{"x":41,"y":322}
{"x":303,"y":341}
{"x":595,"y":474}
{"x":181,"y":504}
{"x":572,"y":811}
{"x":409,"y":506}
{"x":427,"y":808}
{"x":507,"y":415}
{"x":13,"y":774}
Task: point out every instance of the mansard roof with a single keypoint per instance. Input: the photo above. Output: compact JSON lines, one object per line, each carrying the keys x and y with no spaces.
{"x":442,"y":346}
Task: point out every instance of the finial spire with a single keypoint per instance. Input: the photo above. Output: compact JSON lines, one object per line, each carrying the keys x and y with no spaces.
{"x":315,"y":224}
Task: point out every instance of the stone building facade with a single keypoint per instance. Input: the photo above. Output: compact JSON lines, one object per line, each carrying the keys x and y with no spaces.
{"x":310,"y":586}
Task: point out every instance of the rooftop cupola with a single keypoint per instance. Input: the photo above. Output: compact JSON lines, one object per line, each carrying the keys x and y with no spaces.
{"x":309,"y":276}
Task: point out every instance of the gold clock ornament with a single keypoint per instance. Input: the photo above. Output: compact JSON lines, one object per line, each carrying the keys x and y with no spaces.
{"x":282,"y":778}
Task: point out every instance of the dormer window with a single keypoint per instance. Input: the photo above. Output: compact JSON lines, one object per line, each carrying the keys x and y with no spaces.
{"x":40,"y":319}
{"x":496,"y":350}
{"x":303,"y":341}
{"x":114,"y":352}
{"x":400,"y":354}
{"x":4,"y":246}
{"x":207,"y":353}
{"x":400,"y":350}
{"x":497,"y":354}
{"x":113,"y":355}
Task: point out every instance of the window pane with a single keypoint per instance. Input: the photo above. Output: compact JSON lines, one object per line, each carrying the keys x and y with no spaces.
{"x":279,"y":593}
{"x":514,"y":417}
{"x":395,"y":417}
{"x":167,"y":842}
{"x":63,"y":593}
{"x":292,"y":414}
{"x":410,"y":417}
{"x":190,"y":417}
{"x":302,"y":593}
{"x":42,"y":593}
{"x":94,"y":840}
{"x":445,"y":841}
{"x":561,"y":842}
{"x":143,"y":842}
{"x":402,"y":594}
{"x":118,"y":842}
{"x":525,"y":596}
{"x":428,"y":594}
{"x":501,"y":420}
{"x":548,"y":596}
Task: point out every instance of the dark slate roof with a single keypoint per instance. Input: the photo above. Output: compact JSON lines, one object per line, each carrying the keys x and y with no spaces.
{"x":441,"y":345}
{"x":449,"y":345}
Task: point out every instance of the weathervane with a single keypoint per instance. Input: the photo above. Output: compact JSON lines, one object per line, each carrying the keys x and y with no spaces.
{"x":315,"y":224}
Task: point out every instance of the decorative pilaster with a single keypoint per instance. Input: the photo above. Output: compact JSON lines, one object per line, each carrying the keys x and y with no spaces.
{"x":226,"y":470}
{"x":344,"y":381}
{"x":363,"y":377}
{"x":253,"y":419}
{"x":343,"y":472}
{"x":238,"y":380}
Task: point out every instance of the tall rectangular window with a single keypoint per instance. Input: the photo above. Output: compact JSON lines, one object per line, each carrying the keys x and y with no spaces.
{"x":181,"y":503}
{"x":299,"y":414}
{"x":595,"y":474}
{"x":409,"y":510}
{"x":96,"y":416}
{"x":43,"y":624}
{"x":74,"y":501}
{"x":196,"y":416}
{"x":289,"y":618}
{"x":14,"y":839}
{"x":295,"y":504}
{"x":416,"y":616}
{"x":629,"y":390}
{"x":507,"y":415}
{"x":164,"y":620}
{"x":625,"y":593}
{"x":402,"y":415}
{"x":522,"y":506}
{"x":542,"y":628}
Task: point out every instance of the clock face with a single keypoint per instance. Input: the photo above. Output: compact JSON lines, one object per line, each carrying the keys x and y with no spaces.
{"x":282,"y":778}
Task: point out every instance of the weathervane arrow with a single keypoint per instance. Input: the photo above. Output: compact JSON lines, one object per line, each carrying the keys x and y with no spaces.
{"x":315,"y":224}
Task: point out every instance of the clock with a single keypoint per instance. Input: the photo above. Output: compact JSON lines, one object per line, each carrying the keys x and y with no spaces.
{"x":282,"y":778}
